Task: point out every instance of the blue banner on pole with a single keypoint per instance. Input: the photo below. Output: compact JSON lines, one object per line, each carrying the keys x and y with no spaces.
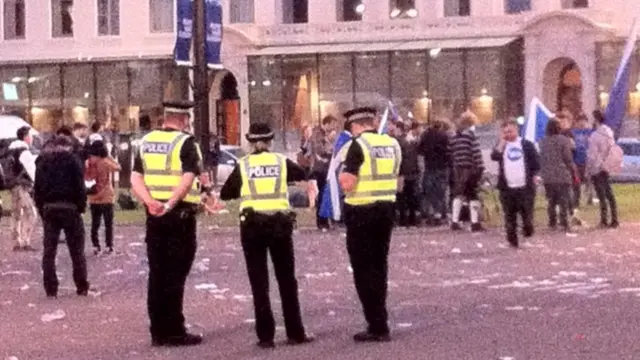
{"x":182,"y":50}
{"x":213,"y":24}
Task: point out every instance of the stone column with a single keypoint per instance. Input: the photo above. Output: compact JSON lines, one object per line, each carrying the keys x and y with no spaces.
{"x":322,"y":12}
{"x":375,"y":10}
{"x":487,"y":7}
{"x":269,"y":12}
{"x":430,"y":9}
{"x":542,"y":6}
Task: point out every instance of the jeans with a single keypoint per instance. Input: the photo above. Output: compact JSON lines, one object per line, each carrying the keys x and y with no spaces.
{"x":605,"y":195}
{"x":99,"y":212}
{"x":321,"y":180}
{"x":517,"y":201}
{"x":558,"y":195}
{"x":434,"y":189}
{"x":408,"y":203}
{"x":68,"y":220}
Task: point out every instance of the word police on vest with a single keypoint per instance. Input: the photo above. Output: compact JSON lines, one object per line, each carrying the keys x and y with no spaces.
{"x":264,"y":171}
{"x":156,"y":148}
{"x":382,"y":152}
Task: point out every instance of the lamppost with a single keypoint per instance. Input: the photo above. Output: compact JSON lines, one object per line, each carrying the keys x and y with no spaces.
{"x":200,"y":77}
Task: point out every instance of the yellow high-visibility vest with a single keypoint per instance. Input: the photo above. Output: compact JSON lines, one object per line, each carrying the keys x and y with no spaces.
{"x":160,"y":152}
{"x":378,"y":174}
{"x":264,"y":182}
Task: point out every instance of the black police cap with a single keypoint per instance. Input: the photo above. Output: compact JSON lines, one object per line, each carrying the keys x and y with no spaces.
{"x":359,"y":114}
{"x":259,"y":132}
{"x":177,"y":106}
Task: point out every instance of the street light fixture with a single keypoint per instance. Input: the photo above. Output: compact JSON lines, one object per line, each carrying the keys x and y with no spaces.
{"x":394,"y":13}
{"x":360,"y":8}
{"x":412,"y":13}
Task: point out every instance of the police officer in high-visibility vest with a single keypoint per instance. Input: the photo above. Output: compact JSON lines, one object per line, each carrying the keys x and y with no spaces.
{"x":370,"y":180}
{"x":266,"y":227}
{"x":164,"y":178}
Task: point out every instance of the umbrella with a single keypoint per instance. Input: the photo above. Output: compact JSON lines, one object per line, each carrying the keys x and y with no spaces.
{"x":9,"y":126}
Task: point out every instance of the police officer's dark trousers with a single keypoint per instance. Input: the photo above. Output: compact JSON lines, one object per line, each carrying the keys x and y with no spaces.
{"x":171,"y":248}
{"x":261,"y":234}
{"x":369,"y":230}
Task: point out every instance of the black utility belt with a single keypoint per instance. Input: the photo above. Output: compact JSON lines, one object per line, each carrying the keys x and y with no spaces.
{"x":60,"y":206}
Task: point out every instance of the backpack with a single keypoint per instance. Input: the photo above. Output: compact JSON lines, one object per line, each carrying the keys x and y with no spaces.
{"x":10,"y":168}
{"x":613,"y":161}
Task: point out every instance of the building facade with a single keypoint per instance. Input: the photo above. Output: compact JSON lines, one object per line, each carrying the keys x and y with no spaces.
{"x":292,"y":62}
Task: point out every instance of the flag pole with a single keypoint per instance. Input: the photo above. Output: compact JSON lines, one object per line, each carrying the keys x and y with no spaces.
{"x":200,"y":77}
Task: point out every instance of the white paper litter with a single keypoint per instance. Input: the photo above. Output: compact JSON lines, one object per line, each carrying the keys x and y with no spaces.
{"x":16,"y":272}
{"x":456,"y":251}
{"x":56,"y":315}
{"x":136,"y":244}
{"x":250,"y":321}
{"x":115,"y":272}
{"x":25,"y":287}
{"x":210,"y":286}
{"x":405,"y":325}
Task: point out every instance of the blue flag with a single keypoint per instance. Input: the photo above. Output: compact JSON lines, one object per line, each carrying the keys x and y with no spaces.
{"x":617,"y":106}
{"x":331,"y":200}
{"x":213,"y":24}
{"x":390,"y":114}
{"x":182,"y":49}
{"x":536,"y":123}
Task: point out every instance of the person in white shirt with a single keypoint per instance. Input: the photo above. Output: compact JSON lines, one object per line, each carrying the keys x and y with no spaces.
{"x":23,"y":208}
{"x":519,"y":165}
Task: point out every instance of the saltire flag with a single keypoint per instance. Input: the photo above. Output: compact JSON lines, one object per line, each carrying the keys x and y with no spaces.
{"x":331,"y":201}
{"x":537,"y":120}
{"x":390,"y":113}
{"x":617,"y":106}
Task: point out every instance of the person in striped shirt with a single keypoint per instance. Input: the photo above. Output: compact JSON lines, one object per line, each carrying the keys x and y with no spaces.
{"x":467,"y":170}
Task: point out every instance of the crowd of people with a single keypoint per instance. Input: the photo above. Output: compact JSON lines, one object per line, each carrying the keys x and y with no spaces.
{"x":443,"y":171}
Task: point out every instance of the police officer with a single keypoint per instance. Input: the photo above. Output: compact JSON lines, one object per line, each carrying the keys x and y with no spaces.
{"x":369,"y":179}
{"x":164,"y":178}
{"x":266,"y":226}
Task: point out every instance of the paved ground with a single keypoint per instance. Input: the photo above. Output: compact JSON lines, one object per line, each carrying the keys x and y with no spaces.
{"x":451,"y":297}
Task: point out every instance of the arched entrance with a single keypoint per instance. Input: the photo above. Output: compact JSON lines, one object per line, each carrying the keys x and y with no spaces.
{"x":224,"y":103}
{"x":562,"y":86}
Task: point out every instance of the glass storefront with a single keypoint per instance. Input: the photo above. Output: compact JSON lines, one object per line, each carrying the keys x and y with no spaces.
{"x":608,"y":57}
{"x":291,"y":91}
{"x":114,"y":93}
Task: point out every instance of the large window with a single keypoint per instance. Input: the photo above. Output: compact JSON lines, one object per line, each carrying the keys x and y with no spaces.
{"x":15,"y":96}
{"x":372,"y":79}
{"x":457,"y":8}
{"x":113,"y":95}
{"x":517,"y":6}
{"x":265,"y":95}
{"x":62,"y":18}
{"x":446,"y":84}
{"x":46,"y":97}
{"x":409,"y":84}
{"x":241,"y":11}
{"x":14,"y":19}
{"x":486,"y":84}
{"x":109,"y":17}
{"x":350,"y":10}
{"x":575,"y":4}
{"x":299,"y":94}
{"x":295,"y":11}
{"x":335,"y":87}
{"x":161,"y":15}
{"x":403,"y":9}
{"x":78,"y":95}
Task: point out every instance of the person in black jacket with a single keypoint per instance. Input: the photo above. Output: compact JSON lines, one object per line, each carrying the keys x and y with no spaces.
{"x":60,"y":197}
{"x":433,"y":146}
{"x":519,"y":165}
